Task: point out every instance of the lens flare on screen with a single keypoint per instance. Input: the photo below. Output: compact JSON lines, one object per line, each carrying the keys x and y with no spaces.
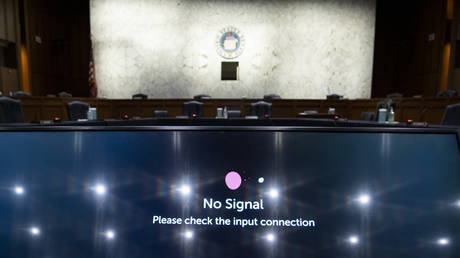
{"x":270,"y":237}
{"x":443,"y":241}
{"x":273,"y":193}
{"x":110,"y":234}
{"x":185,"y":190}
{"x":100,"y":189}
{"x":19,"y":190}
{"x":353,"y":240}
{"x":161,"y":188}
{"x":188,"y":234}
{"x":34,"y":231}
{"x":364,"y":199}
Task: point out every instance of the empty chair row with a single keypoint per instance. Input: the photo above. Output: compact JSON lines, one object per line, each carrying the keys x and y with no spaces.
{"x":141,"y":96}
{"x":77,"y":110}
{"x":194,"y":109}
{"x":260,"y":109}
{"x":447,"y":93}
{"x":452,"y":115}
{"x":11,"y":111}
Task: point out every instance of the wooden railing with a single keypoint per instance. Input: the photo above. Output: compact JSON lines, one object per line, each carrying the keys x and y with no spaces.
{"x":429,"y":110}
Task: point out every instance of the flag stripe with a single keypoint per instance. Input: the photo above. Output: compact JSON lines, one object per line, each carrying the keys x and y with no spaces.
{"x":92,"y":73}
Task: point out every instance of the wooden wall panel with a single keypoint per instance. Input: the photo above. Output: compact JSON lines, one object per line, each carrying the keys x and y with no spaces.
{"x":282,"y":108}
{"x":60,"y":61}
{"x":174,"y":107}
{"x":31,"y":112}
{"x":48,"y":112}
{"x":11,"y":15}
{"x":3,"y":30}
{"x":410,"y":110}
{"x":104,"y":110}
{"x":9,"y":32}
{"x":420,"y":110}
{"x":209,"y":109}
{"x":405,"y":60}
{"x":433,"y":110}
{"x":359,"y":106}
{"x":125,"y":107}
{"x":307,"y":105}
{"x":8,"y":80}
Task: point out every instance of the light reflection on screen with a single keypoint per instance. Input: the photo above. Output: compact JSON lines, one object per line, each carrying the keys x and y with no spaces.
{"x":229,"y":194}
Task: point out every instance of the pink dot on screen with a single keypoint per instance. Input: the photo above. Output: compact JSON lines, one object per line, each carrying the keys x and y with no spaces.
{"x":233,"y":180}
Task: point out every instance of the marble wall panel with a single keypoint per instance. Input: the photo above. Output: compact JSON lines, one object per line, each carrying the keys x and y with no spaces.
{"x":297,"y":49}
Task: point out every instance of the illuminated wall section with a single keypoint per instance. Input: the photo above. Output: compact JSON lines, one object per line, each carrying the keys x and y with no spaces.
{"x":298,"y":49}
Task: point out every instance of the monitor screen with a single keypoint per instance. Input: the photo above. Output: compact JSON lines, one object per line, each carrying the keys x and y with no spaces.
{"x":229,"y":193}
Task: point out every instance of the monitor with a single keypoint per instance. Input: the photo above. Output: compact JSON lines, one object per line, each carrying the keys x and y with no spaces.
{"x":247,"y":192}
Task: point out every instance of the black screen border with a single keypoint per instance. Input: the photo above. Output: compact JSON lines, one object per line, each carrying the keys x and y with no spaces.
{"x":319,"y":129}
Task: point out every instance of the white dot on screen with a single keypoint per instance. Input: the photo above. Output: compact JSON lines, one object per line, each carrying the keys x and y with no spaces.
{"x":270,"y":237}
{"x":110,"y":234}
{"x":261,"y":180}
{"x":353,"y":240}
{"x":34,"y":231}
{"x":443,"y":241}
{"x":273,"y":193}
{"x":364,"y":199}
{"x":188,"y":234}
{"x":19,"y":190}
{"x":185,"y":190}
{"x":100,"y":189}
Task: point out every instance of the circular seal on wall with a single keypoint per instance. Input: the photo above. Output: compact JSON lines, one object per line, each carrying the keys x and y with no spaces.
{"x":230,"y":43}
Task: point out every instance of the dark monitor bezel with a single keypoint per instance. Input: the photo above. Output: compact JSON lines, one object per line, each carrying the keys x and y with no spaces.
{"x":426,"y":130}
{"x":405,"y":130}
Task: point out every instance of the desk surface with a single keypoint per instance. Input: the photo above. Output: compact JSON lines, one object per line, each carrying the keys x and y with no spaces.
{"x":228,"y":123}
{"x":428,"y":110}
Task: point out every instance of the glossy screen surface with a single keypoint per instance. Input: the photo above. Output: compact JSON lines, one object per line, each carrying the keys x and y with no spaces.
{"x":245,"y":194}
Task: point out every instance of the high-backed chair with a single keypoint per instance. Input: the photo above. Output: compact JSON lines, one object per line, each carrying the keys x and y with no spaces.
{"x":139,"y":96}
{"x":201,"y":96}
{"x":334,"y":97}
{"x":233,"y":113}
{"x":272,"y":96}
{"x":395,"y":95}
{"x":261,"y":109}
{"x":64,"y":95}
{"x":10,"y":111}
{"x":386,"y":104}
{"x":192,"y":109}
{"x":368,"y":116}
{"x":447,"y":94}
{"x":160,"y":113}
{"x":21,"y":94}
{"x":77,"y":110}
{"x":452,"y":115}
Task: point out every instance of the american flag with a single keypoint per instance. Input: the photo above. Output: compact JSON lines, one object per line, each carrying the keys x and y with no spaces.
{"x":92,"y":73}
